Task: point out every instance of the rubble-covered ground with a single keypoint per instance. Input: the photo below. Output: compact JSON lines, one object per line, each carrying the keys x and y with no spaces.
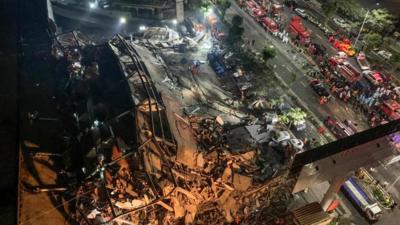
{"x":159,"y":138}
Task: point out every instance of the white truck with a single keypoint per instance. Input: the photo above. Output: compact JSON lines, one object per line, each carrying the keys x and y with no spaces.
{"x":362,"y":61}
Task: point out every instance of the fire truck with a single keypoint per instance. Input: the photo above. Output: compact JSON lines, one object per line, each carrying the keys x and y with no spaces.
{"x":256,"y":11}
{"x":344,"y":69}
{"x":270,"y":25}
{"x":297,"y":28}
{"x":340,"y":129}
{"x":390,"y":109}
{"x":342,"y":44}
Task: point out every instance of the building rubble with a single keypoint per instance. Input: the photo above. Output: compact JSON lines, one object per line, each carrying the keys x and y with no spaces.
{"x":180,"y":169}
{"x":221,"y":187}
{"x":190,"y":178}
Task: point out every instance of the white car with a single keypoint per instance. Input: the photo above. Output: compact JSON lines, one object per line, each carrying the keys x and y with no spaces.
{"x":297,"y":144}
{"x":341,"y":23}
{"x":301,"y":12}
{"x":279,"y":136}
{"x":271,"y":118}
{"x":384,"y":54}
{"x":341,"y":55}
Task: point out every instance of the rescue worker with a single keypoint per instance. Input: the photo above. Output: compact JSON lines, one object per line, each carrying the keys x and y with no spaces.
{"x":323,"y":100}
{"x":321,"y":130}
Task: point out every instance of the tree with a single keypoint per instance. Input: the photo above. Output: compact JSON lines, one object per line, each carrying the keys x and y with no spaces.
{"x":381,"y":20}
{"x":237,"y":21}
{"x":329,"y":9}
{"x":372,"y":40}
{"x":395,"y":60}
{"x":268,"y":52}
{"x":223,"y":5}
{"x":235,"y":32}
{"x":350,"y":8}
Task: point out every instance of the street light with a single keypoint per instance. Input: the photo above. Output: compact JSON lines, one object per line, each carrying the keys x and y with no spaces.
{"x":142,"y":28}
{"x":362,"y":25}
{"x":122,"y":20}
{"x":208,"y":11}
{"x":92,"y":5}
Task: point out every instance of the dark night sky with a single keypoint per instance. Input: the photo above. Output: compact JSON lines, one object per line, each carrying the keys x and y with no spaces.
{"x":391,"y":5}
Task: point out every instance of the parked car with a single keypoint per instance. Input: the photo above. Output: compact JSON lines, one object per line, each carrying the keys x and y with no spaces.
{"x":362,"y":61}
{"x":319,"y":88}
{"x":301,"y":12}
{"x":340,"y":129}
{"x":271,"y":118}
{"x":297,"y":144}
{"x":341,"y":23}
{"x":384,"y":54}
{"x":390,"y":109}
{"x":277,"y":136}
{"x":373,"y":77}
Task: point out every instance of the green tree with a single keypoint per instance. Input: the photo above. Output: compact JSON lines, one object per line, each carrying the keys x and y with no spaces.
{"x":395,"y":60}
{"x":223,"y":5}
{"x":235,"y":32}
{"x":350,"y":8}
{"x":268,"y":52}
{"x":329,"y":9}
{"x":237,"y":21}
{"x":372,"y":40}
{"x":381,"y":20}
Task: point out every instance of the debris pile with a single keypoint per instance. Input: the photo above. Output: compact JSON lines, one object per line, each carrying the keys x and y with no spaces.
{"x":223,"y":188}
{"x":167,"y":175}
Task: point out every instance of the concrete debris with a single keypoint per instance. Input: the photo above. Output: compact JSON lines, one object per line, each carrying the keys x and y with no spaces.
{"x":241,"y":182}
{"x":180,"y":170}
{"x":221,"y":187}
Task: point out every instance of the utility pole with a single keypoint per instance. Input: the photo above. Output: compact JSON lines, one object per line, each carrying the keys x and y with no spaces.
{"x":362,"y":25}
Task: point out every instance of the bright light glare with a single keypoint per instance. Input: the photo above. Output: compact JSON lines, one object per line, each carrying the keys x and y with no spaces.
{"x":142,"y":28}
{"x":174,"y":21}
{"x":92,"y":5}
{"x":209,"y":11}
{"x":122,"y":20}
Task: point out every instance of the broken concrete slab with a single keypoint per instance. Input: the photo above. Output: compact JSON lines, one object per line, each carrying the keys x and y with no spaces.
{"x":241,"y":182}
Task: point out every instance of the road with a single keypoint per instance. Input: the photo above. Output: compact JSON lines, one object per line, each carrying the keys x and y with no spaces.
{"x":287,"y":64}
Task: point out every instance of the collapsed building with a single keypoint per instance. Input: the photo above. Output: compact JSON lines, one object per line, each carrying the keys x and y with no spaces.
{"x":133,"y":157}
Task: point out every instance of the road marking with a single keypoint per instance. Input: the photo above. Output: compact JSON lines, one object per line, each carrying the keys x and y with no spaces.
{"x":288,"y":69}
{"x":319,"y":36}
{"x":302,"y":83}
{"x":383,"y":165}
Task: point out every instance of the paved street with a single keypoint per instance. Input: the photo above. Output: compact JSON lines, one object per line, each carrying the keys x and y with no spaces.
{"x":286,"y":66}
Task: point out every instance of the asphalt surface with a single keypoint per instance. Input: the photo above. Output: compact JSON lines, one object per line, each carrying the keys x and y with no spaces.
{"x":286,"y":65}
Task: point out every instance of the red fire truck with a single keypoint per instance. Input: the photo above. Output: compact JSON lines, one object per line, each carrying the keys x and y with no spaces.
{"x":391,"y":109}
{"x":297,"y":28}
{"x":344,"y":69}
{"x":256,"y":11}
{"x":342,"y":44}
{"x":270,"y":25}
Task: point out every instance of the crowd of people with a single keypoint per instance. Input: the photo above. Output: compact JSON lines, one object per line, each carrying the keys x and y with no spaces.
{"x":363,"y":96}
